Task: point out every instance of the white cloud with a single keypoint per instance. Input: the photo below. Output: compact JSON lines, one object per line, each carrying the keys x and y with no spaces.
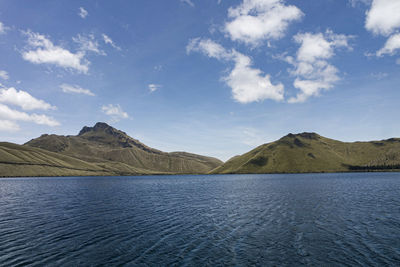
{"x":383,"y":17}
{"x":8,"y":126}
{"x":189,"y":2}
{"x":391,"y":45}
{"x":4,"y":75}
{"x":67,"y":88}
{"x":3,"y":28}
{"x":248,"y":84}
{"x":311,"y":68}
{"x":48,"y":53}
{"x":115,"y":111}
{"x":319,"y":46}
{"x":108,"y":40}
{"x":88,"y":43}
{"x":9,"y":114}
{"x":254,"y":21}
{"x":209,"y":48}
{"x":153,"y":87}
{"x":22,"y":99}
{"x":251,"y":85}
{"x":82,"y":12}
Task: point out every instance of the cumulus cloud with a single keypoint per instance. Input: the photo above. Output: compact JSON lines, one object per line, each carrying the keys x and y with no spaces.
{"x":251,"y":85}
{"x":48,"y":53}
{"x":75,"y":89}
{"x":8,"y":126}
{"x":22,"y":99}
{"x":312,"y":70}
{"x":254,"y":21}
{"x":88,"y":44}
{"x":9,"y":114}
{"x":383,"y":17}
{"x":82,"y":12}
{"x":4,"y":75}
{"x":153,"y":87}
{"x":115,"y":111}
{"x":247,"y":83}
{"x":108,"y":40}
{"x":189,"y":2}
{"x":392,"y":44}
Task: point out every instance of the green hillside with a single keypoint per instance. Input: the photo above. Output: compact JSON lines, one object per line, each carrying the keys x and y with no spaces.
{"x":19,"y":161}
{"x":104,"y":145}
{"x":104,"y":150}
{"x":310,"y":152}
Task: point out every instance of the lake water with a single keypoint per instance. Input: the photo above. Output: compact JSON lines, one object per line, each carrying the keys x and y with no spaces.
{"x":234,"y":220}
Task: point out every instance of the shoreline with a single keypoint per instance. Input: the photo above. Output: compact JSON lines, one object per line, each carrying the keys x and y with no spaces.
{"x":192,"y":174}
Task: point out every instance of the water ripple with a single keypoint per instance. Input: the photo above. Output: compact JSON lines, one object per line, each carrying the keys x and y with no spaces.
{"x":234,"y":220}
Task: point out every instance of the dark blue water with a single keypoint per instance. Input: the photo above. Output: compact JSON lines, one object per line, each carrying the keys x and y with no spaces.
{"x":237,"y":220}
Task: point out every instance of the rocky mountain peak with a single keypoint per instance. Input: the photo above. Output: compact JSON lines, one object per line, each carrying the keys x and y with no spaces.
{"x":103,"y":133}
{"x":306,"y":135}
{"x":101,"y":127}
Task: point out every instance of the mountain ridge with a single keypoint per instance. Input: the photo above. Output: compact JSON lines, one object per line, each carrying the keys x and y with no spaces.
{"x":104,"y":150}
{"x":103,"y":143}
{"x":311,"y":152}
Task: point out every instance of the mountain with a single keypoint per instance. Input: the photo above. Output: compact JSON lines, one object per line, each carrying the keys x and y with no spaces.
{"x":104,"y":150}
{"x":310,"y":152}
{"x":104,"y":145}
{"x":17,"y":160}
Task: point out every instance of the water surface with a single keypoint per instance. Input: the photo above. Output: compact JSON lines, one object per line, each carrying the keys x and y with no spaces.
{"x":237,"y":220}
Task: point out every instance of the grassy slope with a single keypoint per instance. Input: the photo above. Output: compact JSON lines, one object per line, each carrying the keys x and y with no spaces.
{"x":309,"y":152}
{"x":17,"y":160}
{"x":103,"y":143}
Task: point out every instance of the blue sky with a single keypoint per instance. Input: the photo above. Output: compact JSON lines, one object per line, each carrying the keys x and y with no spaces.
{"x":211,"y":77}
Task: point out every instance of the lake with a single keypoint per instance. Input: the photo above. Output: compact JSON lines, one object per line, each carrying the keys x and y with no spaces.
{"x":233,"y":220}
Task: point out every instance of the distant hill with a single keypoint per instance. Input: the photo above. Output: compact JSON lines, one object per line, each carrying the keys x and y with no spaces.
{"x":310,"y":152}
{"x":104,"y":145}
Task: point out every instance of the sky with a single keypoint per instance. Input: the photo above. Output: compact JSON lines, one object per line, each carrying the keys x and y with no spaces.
{"x":212,"y":77}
